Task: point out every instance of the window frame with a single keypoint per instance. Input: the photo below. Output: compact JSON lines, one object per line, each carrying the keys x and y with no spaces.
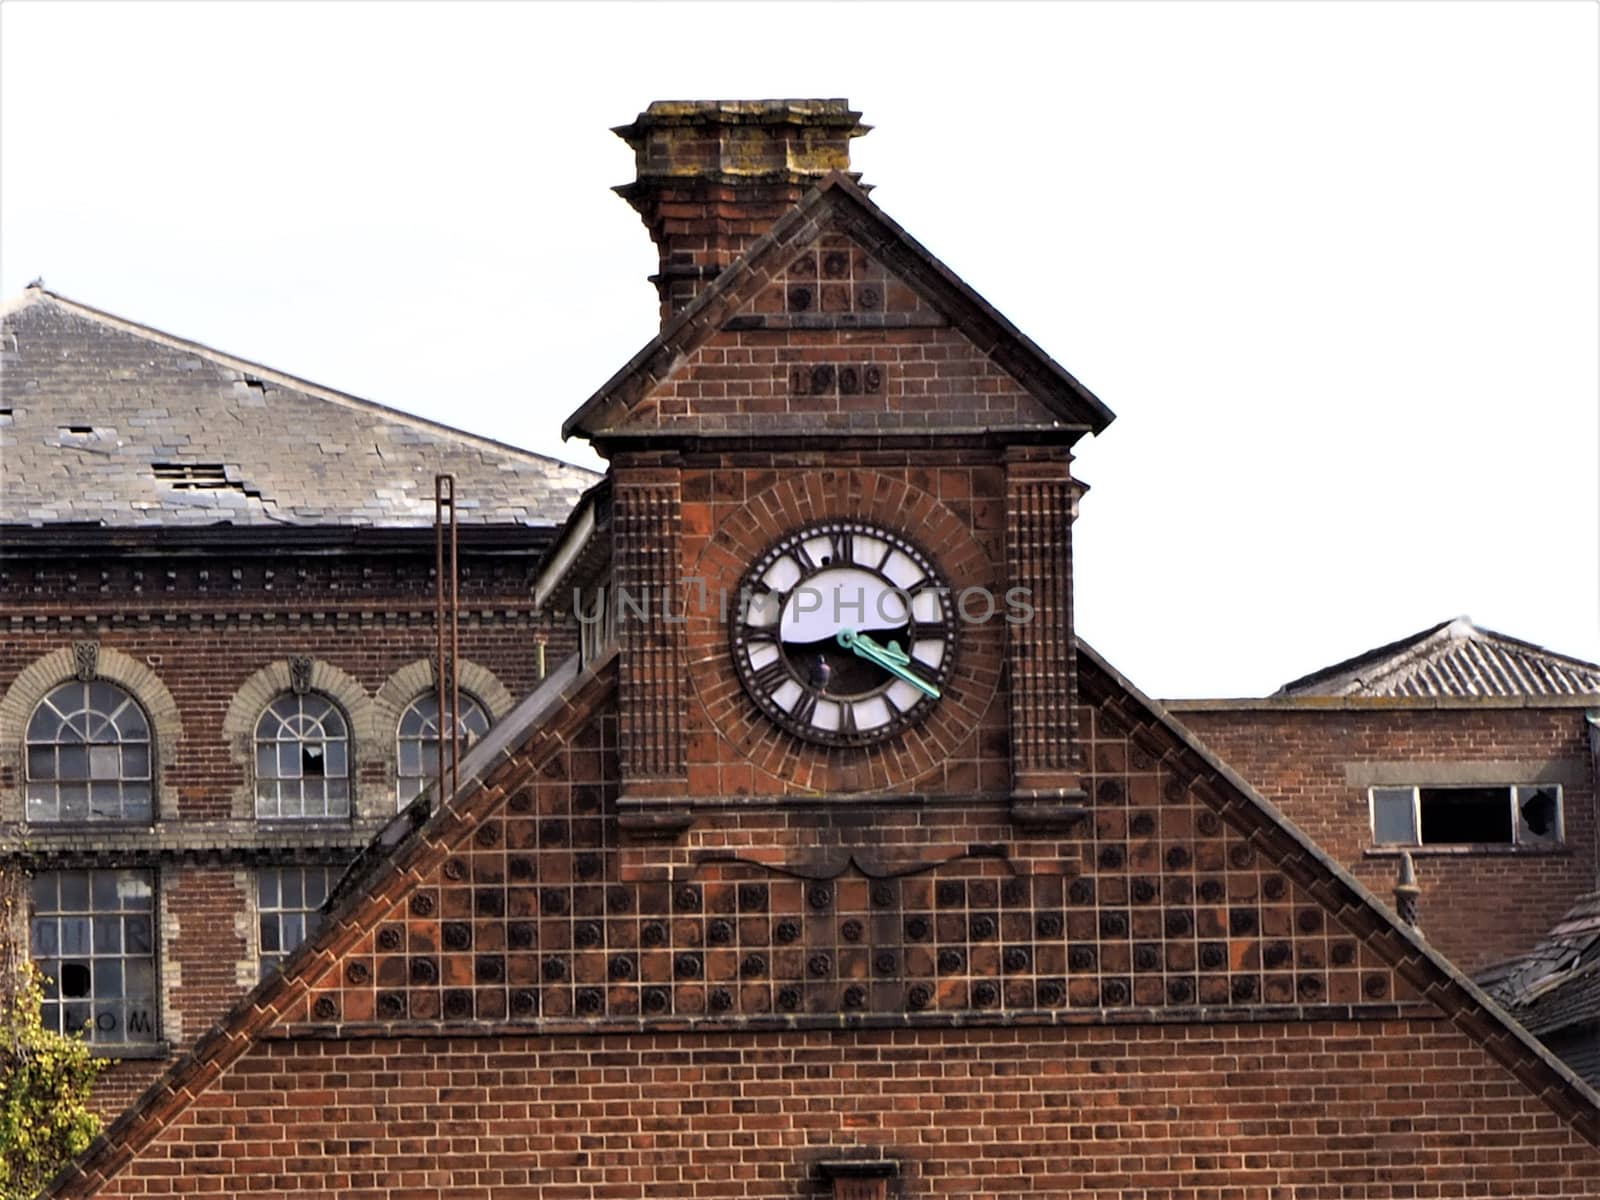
{"x":30,"y":745}
{"x":97,"y":918}
{"x":1514,"y":800}
{"x":430,"y":777}
{"x":277,"y":911}
{"x":348,"y":776}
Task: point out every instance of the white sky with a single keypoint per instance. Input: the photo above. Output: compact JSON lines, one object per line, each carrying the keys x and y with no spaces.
{"x":1333,"y":265}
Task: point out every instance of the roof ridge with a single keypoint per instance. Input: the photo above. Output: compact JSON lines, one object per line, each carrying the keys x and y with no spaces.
{"x":34,"y":295}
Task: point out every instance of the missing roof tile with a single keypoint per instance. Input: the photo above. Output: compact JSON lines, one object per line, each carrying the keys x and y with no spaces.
{"x":187,"y":476}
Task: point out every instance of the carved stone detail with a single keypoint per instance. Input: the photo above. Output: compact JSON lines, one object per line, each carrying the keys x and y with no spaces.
{"x":86,"y":660}
{"x":300,"y":674}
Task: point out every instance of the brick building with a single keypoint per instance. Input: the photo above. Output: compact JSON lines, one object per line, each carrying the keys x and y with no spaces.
{"x":832,"y":862}
{"x":1474,"y":752}
{"x":215,"y":663}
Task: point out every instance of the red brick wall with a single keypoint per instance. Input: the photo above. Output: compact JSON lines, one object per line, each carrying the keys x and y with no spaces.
{"x":951,"y":504}
{"x":204,"y":632}
{"x":1323,"y":1111}
{"x":1478,"y":908}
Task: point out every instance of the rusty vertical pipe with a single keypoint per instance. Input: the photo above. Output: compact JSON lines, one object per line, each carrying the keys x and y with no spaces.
{"x":454,"y":726}
{"x":446,"y":605}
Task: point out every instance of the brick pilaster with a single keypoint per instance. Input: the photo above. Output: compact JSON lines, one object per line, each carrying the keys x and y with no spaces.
{"x":1041,"y":652}
{"x":650,"y":631}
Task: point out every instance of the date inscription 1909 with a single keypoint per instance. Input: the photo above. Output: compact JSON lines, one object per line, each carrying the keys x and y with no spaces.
{"x":827,"y":379}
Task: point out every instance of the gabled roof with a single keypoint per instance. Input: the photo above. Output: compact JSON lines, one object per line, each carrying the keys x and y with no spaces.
{"x":110,"y":423}
{"x":1454,"y":658}
{"x":522,"y":744}
{"x":1075,"y":407}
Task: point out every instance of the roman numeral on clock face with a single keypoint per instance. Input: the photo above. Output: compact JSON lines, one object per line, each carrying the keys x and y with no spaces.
{"x":847,"y":718}
{"x":772,"y":676}
{"x":844,"y":545}
{"x":804,"y":708}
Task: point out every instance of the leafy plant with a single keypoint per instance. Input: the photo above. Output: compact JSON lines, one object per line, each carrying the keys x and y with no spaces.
{"x":45,"y":1076}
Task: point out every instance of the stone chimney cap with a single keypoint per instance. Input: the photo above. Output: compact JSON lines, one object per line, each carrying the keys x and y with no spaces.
{"x":833,"y":113}
{"x":737,"y":141}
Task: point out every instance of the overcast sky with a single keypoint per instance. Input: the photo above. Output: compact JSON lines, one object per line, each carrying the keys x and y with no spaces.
{"x":1333,"y":265}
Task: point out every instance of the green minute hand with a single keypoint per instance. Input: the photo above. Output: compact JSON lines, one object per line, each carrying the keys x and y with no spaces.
{"x":891,"y":658}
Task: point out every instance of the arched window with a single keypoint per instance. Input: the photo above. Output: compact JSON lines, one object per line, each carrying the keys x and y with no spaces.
{"x":302,"y":759}
{"x":88,"y":756}
{"x":417,"y":743}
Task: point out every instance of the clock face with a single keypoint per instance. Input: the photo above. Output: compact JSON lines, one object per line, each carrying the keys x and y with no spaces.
{"x":844,"y":633}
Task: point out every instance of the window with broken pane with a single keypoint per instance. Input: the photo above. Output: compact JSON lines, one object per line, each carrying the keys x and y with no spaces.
{"x":287,"y":904}
{"x":417,"y":743}
{"x":302,"y":759}
{"x":88,"y":756}
{"x":1475,"y":815}
{"x":93,"y":939}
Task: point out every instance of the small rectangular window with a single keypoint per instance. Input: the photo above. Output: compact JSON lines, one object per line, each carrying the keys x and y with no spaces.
{"x":287,"y":903}
{"x":93,"y":939}
{"x":1495,"y":815}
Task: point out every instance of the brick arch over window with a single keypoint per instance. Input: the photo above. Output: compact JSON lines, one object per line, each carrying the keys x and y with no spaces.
{"x":415,"y":678}
{"x":40,"y":677}
{"x":367,"y":741}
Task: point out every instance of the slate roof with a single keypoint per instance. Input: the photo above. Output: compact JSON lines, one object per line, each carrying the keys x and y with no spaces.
{"x":1074,"y":406}
{"x":1556,"y":985}
{"x":109,"y":423}
{"x":1452,"y":659}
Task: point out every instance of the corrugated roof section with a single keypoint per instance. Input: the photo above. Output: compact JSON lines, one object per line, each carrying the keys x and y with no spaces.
{"x":122,"y":426}
{"x":1453,"y":659}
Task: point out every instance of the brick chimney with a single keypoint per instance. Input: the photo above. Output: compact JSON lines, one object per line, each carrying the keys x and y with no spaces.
{"x":714,"y":175}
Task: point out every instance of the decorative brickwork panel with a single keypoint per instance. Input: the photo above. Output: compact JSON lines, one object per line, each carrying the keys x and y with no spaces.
{"x":1153,"y":902}
{"x":1040,"y":650}
{"x":646,"y":520}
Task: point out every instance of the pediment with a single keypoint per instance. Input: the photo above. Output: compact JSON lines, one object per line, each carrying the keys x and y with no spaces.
{"x":838,"y":322}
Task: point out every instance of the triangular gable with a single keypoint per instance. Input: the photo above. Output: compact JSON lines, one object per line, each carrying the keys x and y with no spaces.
{"x":1181,"y":895}
{"x":155,"y":430}
{"x":743,"y":298}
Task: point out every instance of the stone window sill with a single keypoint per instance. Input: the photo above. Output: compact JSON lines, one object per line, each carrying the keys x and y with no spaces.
{"x":1484,"y":850}
{"x":130,"y":1050}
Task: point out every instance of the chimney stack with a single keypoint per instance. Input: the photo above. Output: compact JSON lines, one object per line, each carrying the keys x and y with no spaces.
{"x":714,"y":175}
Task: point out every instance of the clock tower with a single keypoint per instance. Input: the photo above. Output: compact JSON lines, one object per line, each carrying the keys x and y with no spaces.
{"x":839,"y":567}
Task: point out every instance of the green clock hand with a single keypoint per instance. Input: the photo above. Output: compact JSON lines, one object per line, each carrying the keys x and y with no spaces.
{"x":891,"y":658}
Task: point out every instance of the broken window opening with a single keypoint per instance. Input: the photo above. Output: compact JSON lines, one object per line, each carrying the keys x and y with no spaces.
{"x":75,"y":979}
{"x":1498,"y":815}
